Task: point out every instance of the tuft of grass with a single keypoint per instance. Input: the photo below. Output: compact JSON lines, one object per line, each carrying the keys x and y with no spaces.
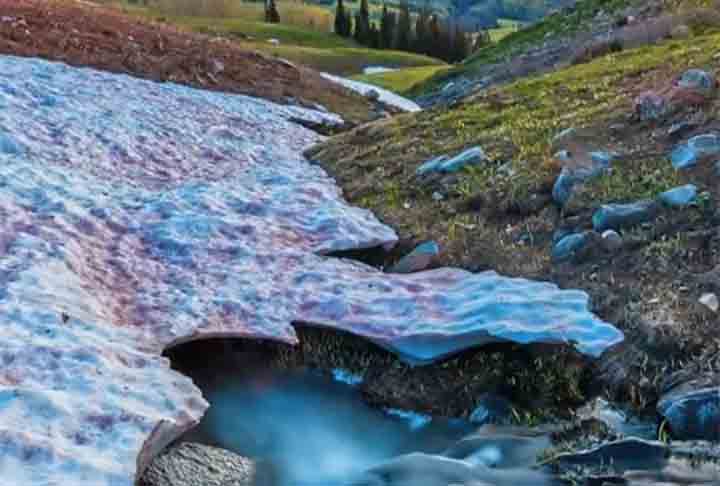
{"x":403,"y":80}
{"x":631,"y":181}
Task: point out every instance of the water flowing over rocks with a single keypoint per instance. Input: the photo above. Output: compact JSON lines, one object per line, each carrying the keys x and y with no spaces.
{"x":138,"y":215}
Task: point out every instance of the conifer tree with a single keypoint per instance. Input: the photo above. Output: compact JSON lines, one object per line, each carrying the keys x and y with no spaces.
{"x":340,"y":18}
{"x":387,"y":28}
{"x":362,"y":24}
{"x":435,"y":37}
{"x":404,"y":28}
{"x":271,"y":12}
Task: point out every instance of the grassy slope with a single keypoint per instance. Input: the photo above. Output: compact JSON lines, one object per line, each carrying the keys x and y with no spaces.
{"x":552,"y":26}
{"x":320,"y":50}
{"x":402,"y":80}
{"x":514,"y":123}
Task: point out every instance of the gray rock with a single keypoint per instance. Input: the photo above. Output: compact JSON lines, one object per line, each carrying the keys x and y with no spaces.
{"x":698,"y":81}
{"x":618,"y":216}
{"x":612,"y":241}
{"x":651,"y":106}
{"x":692,"y":409}
{"x":710,"y":301}
{"x":569,"y":246}
{"x":687,"y":154}
{"x":446,"y":165}
{"x":679,"y":197}
{"x":623,"y":454}
{"x":418,"y":259}
{"x":192,"y":464}
{"x":372,"y":95}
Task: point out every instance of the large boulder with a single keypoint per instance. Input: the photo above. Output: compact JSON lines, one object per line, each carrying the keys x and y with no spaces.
{"x":192,"y":464}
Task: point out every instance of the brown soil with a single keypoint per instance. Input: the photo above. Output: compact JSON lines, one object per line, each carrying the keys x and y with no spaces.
{"x":84,"y":34}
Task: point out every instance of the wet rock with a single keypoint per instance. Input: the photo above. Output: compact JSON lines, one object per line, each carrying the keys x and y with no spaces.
{"x":679,"y":197}
{"x":651,"y":106}
{"x":446,"y":165}
{"x":710,"y":301}
{"x":569,"y":246}
{"x":611,"y":240}
{"x":192,"y":464}
{"x":623,"y":454}
{"x":679,"y":128}
{"x":618,"y":216}
{"x":491,"y":409}
{"x":692,"y":409}
{"x":418,"y":259}
{"x":373,"y":95}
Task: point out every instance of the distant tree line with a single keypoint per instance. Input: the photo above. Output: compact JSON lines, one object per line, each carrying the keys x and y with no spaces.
{"x":430,"y":35}
{"x":272,"y":15}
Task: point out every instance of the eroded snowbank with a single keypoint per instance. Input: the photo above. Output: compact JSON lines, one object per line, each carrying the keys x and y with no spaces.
{"x":387,"y":97}
{"x":134,"y":215}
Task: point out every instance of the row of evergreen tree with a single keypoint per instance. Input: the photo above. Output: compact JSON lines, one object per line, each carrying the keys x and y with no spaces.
{"x":429,"y":36}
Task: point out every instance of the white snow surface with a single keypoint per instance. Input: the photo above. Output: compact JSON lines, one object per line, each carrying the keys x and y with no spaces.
{"x":387,"y":97}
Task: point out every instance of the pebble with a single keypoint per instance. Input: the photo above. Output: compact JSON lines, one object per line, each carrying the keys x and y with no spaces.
{"x":568,"y":247}
{"x":612,"y":241}
{"x":418,"y":259}
{"x":710,"y":301}
{"x":616,"y":216}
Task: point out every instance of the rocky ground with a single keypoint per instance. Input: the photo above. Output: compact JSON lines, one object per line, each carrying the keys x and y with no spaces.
{"x":599,"y":175}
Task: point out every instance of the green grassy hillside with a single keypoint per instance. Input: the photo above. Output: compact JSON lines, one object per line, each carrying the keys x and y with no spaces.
{"x":306,"y":40}
{"x":402,"y":80}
